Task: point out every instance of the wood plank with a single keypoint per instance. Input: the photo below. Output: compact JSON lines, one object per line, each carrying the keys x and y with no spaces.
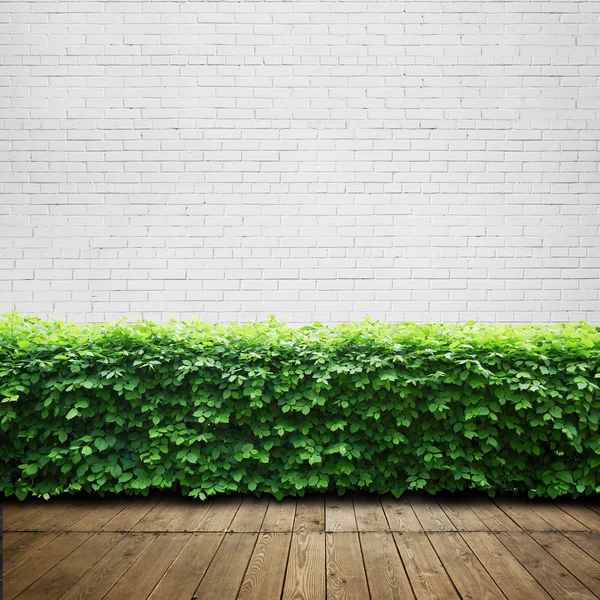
{"x":339,"y":514}
{"x":104,"y":573}
{"x":11,"y":538}
{"x":64,"y":518}
{"x":584,"y":515}
{"x":250,"y":515}
{"x":86,"y":511}
{"x":548,"y":572}
{"x":425,"y":571}
{"x":11,"y":508}
{"x":595,"y":506}
{"x":386,"y":576}
{"x":494,"y":518}
{"x":159,"y":516}
{"x":522,"y":514}
{"x":280,"y":516}
{"x":68,"y":571}
{"x":346,"y":577}
{"x":29,"y":571}
{"x":305,"y":576}
{"x":100,"y":516}
{"x":25,"y":548}
{"x":30,"y":514}
{"x":512,"y":578}
{"x":310,"y":514}
{"x":266,"y":571}
{"x":467,"y":573}
{"x":14,"y":511}
{"x":152,"y":563}
{"x":50,"y":513}
{"x":589,"y":542}
{"x":185,"y":573}
{"x":462,"y":517}
{"x":571,"y":556}
{"x":190,"y":516}
{"x":400,"y":515}
{"x":225,"y":573}
{"x":131,"y":514}
{"x":430,"y":514}
{"x":219,"y":516}
{"x":559,"y":519}
{"x":369,"y":513}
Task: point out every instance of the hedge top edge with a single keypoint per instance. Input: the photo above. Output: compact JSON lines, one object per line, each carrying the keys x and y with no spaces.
{"x":578,"y":336}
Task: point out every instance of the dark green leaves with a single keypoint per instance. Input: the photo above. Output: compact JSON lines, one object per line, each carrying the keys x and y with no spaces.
{"x":265,"y":408}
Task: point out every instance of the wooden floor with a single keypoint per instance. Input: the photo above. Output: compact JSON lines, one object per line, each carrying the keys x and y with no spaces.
{"x":352,"y":548}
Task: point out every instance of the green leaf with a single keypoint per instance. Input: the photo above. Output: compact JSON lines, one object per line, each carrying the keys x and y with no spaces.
{"x":565,"y":476}
{"x":100,"y":444}
{"x":116,"y":471}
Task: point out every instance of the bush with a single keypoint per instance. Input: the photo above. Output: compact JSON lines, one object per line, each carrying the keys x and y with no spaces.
{"x":208,"y":409}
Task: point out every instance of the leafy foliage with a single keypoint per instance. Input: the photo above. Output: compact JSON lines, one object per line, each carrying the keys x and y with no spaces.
{"x":210,"y":409}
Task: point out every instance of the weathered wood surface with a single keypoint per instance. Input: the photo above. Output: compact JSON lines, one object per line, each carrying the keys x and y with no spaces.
{"x":359,"y":546}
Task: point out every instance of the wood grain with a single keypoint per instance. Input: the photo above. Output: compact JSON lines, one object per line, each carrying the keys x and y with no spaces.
{"x":58,"y":580}
{"x":189,"y":517}
{"x":48,"y":518}
{"x":430,"y":514}
{"x":25,"y":548}
{"x":105,"y":572}
{"x":250,"y":515}
{"x":158,"y":517}
{"x":369,"y":513}
{"x":512,"y":578}
{"x":339,"y":514}
{"x":558,"y":518}
{"x":462,"y":517}
{"x":571,"y":556}
{"x":149,"y":568}
{"x":549,"y":573}
{"x":588,"y":542}
{"x":262,"y":549}
{"x":310,"y":514}
{"x":305,"y":577}
{"x":219,"y":516}
{"x":266,"y":571}
{"x":526,"y":518}
{"x":400,"y":515}
{"x":428,"y":577}
{"x":584,"y":515}
{"x":491,"y":515}
{"x":468,"y":575}
{"x":346,"y":577}
{"x":386,"y":576}
{"x":12,"y":538}
{"x":187,"y":570}
{"x":16,"y":513}
{"x":226,"y":571}
{"x":125,"y":519}
{"x":38,"y":564}
{"x":100,"y":516}
{"x":280,"y":516}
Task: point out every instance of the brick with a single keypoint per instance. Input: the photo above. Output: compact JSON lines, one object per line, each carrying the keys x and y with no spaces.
{"x":315,"y":160}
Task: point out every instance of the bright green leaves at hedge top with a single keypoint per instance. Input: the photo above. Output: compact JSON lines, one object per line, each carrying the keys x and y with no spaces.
{"x":267,"y":408}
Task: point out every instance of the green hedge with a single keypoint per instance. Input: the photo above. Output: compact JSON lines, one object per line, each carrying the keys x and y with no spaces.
{"x":208,"y":409}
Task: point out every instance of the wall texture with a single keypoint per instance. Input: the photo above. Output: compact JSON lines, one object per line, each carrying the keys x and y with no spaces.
{"x":316,"y":160}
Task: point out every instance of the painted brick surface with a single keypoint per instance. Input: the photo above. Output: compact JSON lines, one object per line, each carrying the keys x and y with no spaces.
{"x":319,"y":159}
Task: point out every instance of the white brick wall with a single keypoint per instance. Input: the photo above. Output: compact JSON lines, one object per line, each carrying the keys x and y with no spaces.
{"x":314,"y":159}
